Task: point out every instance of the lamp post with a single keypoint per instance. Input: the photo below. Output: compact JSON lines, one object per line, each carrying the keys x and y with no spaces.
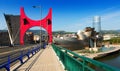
{"x":40,"y":23}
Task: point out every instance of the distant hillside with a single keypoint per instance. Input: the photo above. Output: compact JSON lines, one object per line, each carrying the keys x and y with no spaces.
{"x":62,"y":32}
{"x":110,"y":31}
{"x":34,"y":31}
{"x":3,"y":30}
{"x":37,"y":31}
{"x":118,"y":31}
{"x":103,"y":31}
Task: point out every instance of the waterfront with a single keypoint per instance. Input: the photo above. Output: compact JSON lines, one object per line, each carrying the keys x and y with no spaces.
{"x":113,"y":59}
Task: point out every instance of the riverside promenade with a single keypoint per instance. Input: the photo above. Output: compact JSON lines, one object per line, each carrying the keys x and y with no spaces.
{"x":115,"y":48}
{"x":44,"y":60}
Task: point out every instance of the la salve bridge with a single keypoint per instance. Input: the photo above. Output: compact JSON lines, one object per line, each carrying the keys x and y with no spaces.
{"x":52,"y":58}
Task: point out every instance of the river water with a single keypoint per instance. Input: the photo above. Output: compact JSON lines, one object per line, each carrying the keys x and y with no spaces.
{"x":112,"y":59}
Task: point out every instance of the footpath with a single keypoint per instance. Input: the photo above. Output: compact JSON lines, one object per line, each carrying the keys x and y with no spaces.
{"x":44,"y":60}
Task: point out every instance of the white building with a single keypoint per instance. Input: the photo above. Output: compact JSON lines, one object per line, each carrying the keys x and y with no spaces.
{"x":109,"y":36}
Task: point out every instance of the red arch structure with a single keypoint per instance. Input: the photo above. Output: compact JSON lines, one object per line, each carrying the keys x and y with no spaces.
{"x":26,"y":23}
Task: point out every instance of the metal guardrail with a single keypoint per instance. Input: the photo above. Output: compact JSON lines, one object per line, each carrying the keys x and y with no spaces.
{"x":17,"y":56}
{"x":75,"y":62}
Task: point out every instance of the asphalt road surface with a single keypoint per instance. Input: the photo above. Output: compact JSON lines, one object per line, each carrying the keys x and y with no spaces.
{"x":13,"y":52}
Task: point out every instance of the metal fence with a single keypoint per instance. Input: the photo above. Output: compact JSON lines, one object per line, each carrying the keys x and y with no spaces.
{"x":7,"y":60}
{"x":75,"y":62}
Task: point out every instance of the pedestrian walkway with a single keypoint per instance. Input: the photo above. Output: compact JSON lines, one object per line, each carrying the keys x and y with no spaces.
{"x":45,"y":60}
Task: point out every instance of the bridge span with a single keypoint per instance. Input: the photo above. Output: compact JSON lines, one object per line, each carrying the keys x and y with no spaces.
{"x":52,"y":58}
{"x":45,"y":60}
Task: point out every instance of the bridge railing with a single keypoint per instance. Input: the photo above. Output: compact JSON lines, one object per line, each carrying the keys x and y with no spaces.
{"x":5,"y":61}
{"x":75,"y":62}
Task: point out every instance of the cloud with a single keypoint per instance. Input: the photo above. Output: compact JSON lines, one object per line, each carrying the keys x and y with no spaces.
{"x":82,"y":23}
{"x":111,"y":15}
{"x":78,"y":25}
{"x":111,"y":20}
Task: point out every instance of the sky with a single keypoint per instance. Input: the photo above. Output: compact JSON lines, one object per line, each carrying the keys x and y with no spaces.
{"x":67,"y":15}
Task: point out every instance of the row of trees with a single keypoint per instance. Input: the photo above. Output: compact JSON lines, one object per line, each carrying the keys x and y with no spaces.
{"x":115,"y":40}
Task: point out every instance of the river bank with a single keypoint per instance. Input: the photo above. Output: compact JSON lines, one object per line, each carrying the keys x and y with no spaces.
{"x":113,"y":59}
{"x":94,"y":55}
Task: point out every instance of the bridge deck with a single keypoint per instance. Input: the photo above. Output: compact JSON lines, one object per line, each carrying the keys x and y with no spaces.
{"x":45,"y":60}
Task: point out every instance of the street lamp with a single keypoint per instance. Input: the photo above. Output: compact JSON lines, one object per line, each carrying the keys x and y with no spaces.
{"x":40,"y":22}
